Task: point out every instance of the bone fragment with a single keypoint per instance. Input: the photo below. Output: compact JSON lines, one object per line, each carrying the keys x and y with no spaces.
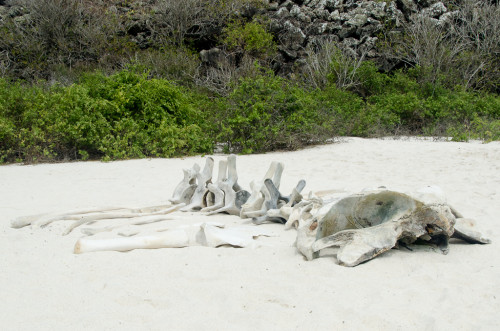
{"x":466,"y":229}
{"x":278,"y":207}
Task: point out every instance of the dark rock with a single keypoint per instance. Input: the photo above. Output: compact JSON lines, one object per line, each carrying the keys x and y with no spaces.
{"x":289,"y":54}
{"x":347,"y":31}
{"x":407,"y":7}
{"x":211,"y":57}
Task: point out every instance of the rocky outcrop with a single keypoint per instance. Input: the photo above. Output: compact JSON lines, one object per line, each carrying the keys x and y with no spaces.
{"x":297,"y":25}
{"x":357,"y":25}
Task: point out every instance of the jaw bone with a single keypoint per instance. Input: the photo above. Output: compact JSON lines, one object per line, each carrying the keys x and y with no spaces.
{"x":206,"y":234}
{"x":368,"y":224}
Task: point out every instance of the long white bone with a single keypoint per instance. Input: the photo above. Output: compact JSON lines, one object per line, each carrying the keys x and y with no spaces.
{"x":44,"y":219}
{"x":199,"y":235}
{"x":92,"y":218}
{"x":93,"y":231}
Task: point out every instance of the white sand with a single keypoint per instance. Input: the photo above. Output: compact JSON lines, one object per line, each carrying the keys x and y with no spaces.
{"x":44,"y":286}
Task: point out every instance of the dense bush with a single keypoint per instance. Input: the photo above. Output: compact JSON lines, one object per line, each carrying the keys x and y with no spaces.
{"x":267,"y":113}
{"x":127,"y":115}
{"x":121,"y":116}
{"x":251,"y":38}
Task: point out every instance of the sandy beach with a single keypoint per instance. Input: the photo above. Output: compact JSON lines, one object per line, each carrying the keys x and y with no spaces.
{"x":45,"y":286}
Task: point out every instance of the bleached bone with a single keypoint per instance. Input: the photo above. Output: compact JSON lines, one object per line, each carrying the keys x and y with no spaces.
{"x":296,"y":196}
{"x":278,"y":206}
{"x":214,"y":198}
{"x":92,"y":218}
{"x":203,"y":179}
{"x":466,"y":229}
{"x":93,"y":231}
{"x":185,"y":189}
{"x":300,"y":213}
{"x":174,"y":238}
{"x":204,"y":235}
{"x":367,"y":224}
{"x":259,"y":191}
{"x":234,"y":196}
{"x":241,"y":236}
{"x":44,"y":219}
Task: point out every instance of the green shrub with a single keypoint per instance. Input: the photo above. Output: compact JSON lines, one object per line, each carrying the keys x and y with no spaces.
{"x":267,"y":113}
{"x":251,"y":38}
{"x":116,"y":117}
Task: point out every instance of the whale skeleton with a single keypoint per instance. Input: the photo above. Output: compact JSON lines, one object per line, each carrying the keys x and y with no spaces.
{"x":360,"y":226}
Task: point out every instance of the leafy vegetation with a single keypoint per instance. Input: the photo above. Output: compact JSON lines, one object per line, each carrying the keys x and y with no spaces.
{"x":98,"y":85}
{"x":121,"y":116}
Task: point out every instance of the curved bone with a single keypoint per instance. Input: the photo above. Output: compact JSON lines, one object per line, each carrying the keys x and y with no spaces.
{"x":185,"y":189}
{"x":299,"y":214}
{"x":42,"y":220}
{"x":203,"y":179}
{"x":92,"y":218}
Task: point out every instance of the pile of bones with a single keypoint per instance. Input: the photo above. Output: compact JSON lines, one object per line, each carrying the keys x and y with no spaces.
{"x":359,"y":227}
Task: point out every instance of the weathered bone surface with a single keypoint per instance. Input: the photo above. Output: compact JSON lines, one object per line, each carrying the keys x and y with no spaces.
{"x":185,"y":189}
{"x":203,"y":178}
{"x":234,"y":196}
{"x":279,"y":207}
{"x":133,"y":214}
{"x":214,"y":197}
{"x":367,"y":224}
{"x":206,"y":234}
{"x":255,"y":205}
